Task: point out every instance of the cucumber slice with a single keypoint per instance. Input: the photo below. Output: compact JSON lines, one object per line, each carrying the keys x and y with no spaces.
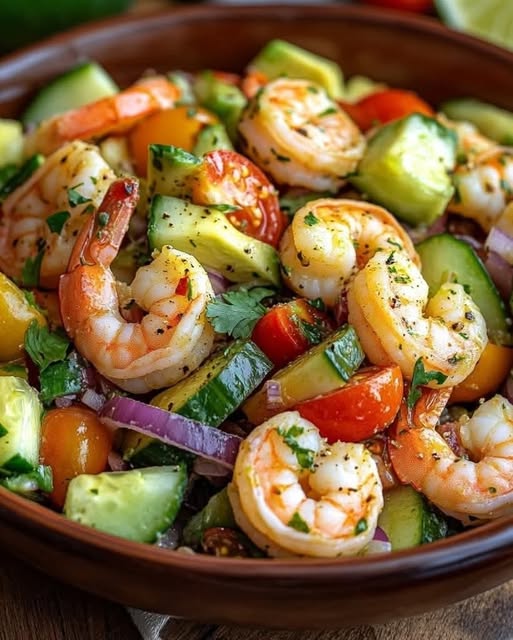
{"x":408,"y":521}
{"x":84,"y":83}
{"x":219,"y":386}
{"x":446,"y":259}
{"x":145,"y":451}
{"x":210,"y":138}
{"x":205,"y":233}
{"x":137,"y":504}
{"x":20,"y":425}
{"x":406,"y":168}
{"x":217,"y":512}
{"x":493,"y":122}
{"x":323,"y":368}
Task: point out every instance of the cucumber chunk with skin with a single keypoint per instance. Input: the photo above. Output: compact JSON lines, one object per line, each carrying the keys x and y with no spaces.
{"x":84,"y":83}
{"x":205,"y":233}
{"x":171,"y":171}
{"x":323,"y":368}
{"x":137,"y":505}
{"x":222,"y":383}
{"x":444,"y":258}
{"x":210,"y":138}
{"x":20,"y":425}
{"x":217,"y":512}
{"x":209,"y":395}
{"x":408,"y":521}
{"x":406,"y":168}
{"x":492,"y":121}
{"x":281,"y":58}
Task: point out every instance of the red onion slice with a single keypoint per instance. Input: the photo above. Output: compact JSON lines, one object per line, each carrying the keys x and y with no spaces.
{"x":219,"y":283}
{"x":92,"y":399}
{"x":116,"y":462}
{"x":274,"y":398}
{"x":379,"y":543}
{"x":172,"y":428}
{"x":500,"y":272}
{"x":501,"y":243}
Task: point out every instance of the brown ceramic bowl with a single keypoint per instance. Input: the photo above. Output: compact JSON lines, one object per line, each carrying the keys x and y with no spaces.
{"x":402,"y":51}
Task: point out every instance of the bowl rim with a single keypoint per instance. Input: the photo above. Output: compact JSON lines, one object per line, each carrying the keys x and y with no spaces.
{"x":450,"y":555}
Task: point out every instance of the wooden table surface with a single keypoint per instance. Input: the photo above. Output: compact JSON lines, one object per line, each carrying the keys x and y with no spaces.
{"x":33,"y":606}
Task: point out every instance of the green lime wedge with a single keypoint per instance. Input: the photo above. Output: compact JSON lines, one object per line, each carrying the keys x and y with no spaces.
{"x":488,"y":19}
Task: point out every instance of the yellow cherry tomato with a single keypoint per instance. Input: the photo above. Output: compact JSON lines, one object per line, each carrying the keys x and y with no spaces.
{"x":178,"y":126}
{"x":492,"y":368}
{"x":16,"y":313}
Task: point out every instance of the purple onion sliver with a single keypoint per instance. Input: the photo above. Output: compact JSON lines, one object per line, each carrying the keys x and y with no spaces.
{"x":219,"y":283}
{"x":274,"y":398}
{"x":172,"y":429}
{"x":501,"y":273}
{"x":209,"y":468}
{"x":92,"y":399}
{"x":62,"y":402}
{"x":379,"y":534}
{"x":501,"y":243}
{"x":116,"y":462}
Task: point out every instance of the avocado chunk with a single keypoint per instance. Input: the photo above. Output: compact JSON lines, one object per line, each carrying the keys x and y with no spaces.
{"x":222,"y":98}
{"x":11,"y":142}
{"x":406,"y":168}
{"x":205,"y":233}
{"x":281,"y":58}
{"x":137,"y":505}
{"x":492,"y":121}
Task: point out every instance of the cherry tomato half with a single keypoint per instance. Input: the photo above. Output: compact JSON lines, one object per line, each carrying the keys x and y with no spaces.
{"x":385,"y":106}
{"x":73,"y":442}
{"x":178,"y":126}
{"x":288,"y":330}
{"x":226,"y":177}
{"x":367,"y":404}
{"x":418,"y":6}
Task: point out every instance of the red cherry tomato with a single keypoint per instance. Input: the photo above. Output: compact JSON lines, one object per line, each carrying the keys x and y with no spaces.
{"x":226,"y":177}
{"x":385,"y":106}
{"x":405,"y":5}
{"x":288,"y":330}
{"x":73,"y":442}
{"x":367,"y":404}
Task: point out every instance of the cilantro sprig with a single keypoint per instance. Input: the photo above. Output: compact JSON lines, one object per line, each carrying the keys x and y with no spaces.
{"x":236,"y":312}
{"x":305,"y":457}
{"x":422,"y":377}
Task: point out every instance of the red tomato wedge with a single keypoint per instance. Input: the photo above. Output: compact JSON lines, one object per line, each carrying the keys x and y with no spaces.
{"x":385,"y":106}
{"x":73,"y":441}
{"x":418,"y":6}
{"x":288,"y":330}
{"x":367,"y":404}
{"x":226,"y":177}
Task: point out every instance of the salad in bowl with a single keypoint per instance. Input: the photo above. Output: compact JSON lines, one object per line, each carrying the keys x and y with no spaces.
{"x":262,"y":314}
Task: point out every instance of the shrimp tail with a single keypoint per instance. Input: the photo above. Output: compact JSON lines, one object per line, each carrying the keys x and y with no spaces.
{"x":100,"y":238}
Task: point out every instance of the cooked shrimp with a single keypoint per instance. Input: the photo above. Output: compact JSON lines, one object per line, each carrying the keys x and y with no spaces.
{"x":329,"y":240}
{"x":293,"y":494}
{"x":113,"y":114}
{"x":171,"y":339}
{"x":389,"y":308}
{"x":296,"y":133}
{"x":484,"y":186}
{"x":71,"y":182}
{"x":482,"y":486}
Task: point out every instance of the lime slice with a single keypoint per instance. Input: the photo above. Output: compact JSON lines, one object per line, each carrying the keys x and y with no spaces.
{"x":488,"y":19}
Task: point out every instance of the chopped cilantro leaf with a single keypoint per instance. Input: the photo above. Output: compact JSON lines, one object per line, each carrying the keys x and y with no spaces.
{"x":57,"y":220}
{"x":305,"y":457}
{"x":223,"y":208}
{"x":313,"y":333}
{"x":62,"y":378}
{"x":44,"y":347}
{"x":310,"y":219}
{"x":31,"y":269}
{"x":421,"y":377}
{"x":3,"y":430}
{"x":75,"y":198}
{"x":236,"y":312}
{"x":361,"y":526}
{"x":297,"y":523}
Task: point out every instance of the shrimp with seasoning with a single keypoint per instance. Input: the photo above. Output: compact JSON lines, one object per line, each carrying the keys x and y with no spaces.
{"x":395,"y":322}
{"x":114,"y":114}
{"x":480,"y":485}
{"x":329,"y":240}
{"x":71,"y":183}
{"x":297,"y":134}
{"x":173,"y":336}
{"x":294,"y":495}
